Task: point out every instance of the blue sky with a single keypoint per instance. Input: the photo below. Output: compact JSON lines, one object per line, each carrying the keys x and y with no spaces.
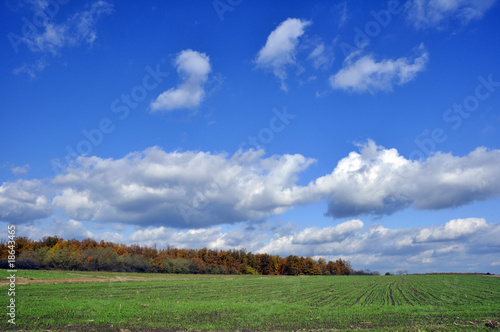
{"x":365,"y":130}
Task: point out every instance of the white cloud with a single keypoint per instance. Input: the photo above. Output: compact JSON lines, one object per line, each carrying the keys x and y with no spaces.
{"x":34,"y":5}
{"x":319,"y":56}
{"x":380,"y":181}
{"x":32,"y":69}
{"x":190,"y":189}
{"x":458,"y":245}
{"x":279,"y":51}
{"x":200,"y":189}
{"x":328,"y":234}
{"x":192,"y":239}
{"x":52,"y":37}
{"x":84,"y":22}
{"x":365,"y":74}
{"x":435,"y":13}
{"x":193,"y":68}
{"x":78,"y":204}
{"x":23,"y":201}
{"x":69,"y":229}
{"x":66,"y":229}
{"x":452,"y":230}
{"x":78,"y":28}
{"x":20,"y":169}
{"x":341,"y":13}
{"x":248,"y":236}
{"x":445,"y":180}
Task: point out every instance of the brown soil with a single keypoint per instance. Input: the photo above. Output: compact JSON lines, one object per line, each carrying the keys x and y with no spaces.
{"x":26,"y":280}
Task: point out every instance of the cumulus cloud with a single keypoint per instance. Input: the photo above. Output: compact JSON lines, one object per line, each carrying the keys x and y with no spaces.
{"x":366,"y":74}
{"x":63,"y":228}
{"x":194,"y":238}
{"x":434,"y":13}
{"x":448,"y":181}
{"x":458,"y":245}
{"x":200,"y":189}
{"x":328,"y":234}
{"x":193,"y":68}
{"x":380,"y":181}
{"x":23,"y":201}
{"x":452,"y":230}
{"x":374,"y":181}
{"x":68,"y":229}
{"x":189,"y":189}
{"x":250,"y":237}
{"x":279,"y":51}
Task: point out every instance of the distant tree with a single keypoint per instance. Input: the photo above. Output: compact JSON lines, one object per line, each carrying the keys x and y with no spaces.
{"x":311,"y":267}
{"x":49,"y":241}
{"x":266,"y":264}
{"x":331,"y":267}
{"x":343,"y":267}
{"x":61,"y":258}
{"x":56,"y":253}
{"x":348,"y":266}
{"x":30,"y":259}
{"x":292,"y":265}
{"x":179,"y":265}
{"x":88,"y":244}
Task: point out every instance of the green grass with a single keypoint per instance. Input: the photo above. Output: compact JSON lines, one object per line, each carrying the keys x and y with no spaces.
{"x":208,"y":302}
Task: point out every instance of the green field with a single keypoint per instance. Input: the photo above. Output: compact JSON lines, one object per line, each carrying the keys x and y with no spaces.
{"x":156,"y":302}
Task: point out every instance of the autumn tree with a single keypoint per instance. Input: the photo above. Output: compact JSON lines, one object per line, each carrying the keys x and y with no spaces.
{"x":56,"y":253}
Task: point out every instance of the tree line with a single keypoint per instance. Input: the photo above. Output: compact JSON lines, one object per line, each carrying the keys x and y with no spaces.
{"x":89,"y":255}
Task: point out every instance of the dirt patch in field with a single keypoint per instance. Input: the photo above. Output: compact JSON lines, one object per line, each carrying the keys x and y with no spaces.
{"x":26,"y":280}
{"x":492,"y":324}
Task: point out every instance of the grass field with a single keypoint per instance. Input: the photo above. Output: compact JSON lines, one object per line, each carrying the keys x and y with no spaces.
{"x":101,"y":301}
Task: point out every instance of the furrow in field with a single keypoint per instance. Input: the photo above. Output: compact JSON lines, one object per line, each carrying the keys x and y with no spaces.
{"x":258,"y":304}
{"x":390,"y":294}
{"x":364,"y":293}
{"x":405,"y":299}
